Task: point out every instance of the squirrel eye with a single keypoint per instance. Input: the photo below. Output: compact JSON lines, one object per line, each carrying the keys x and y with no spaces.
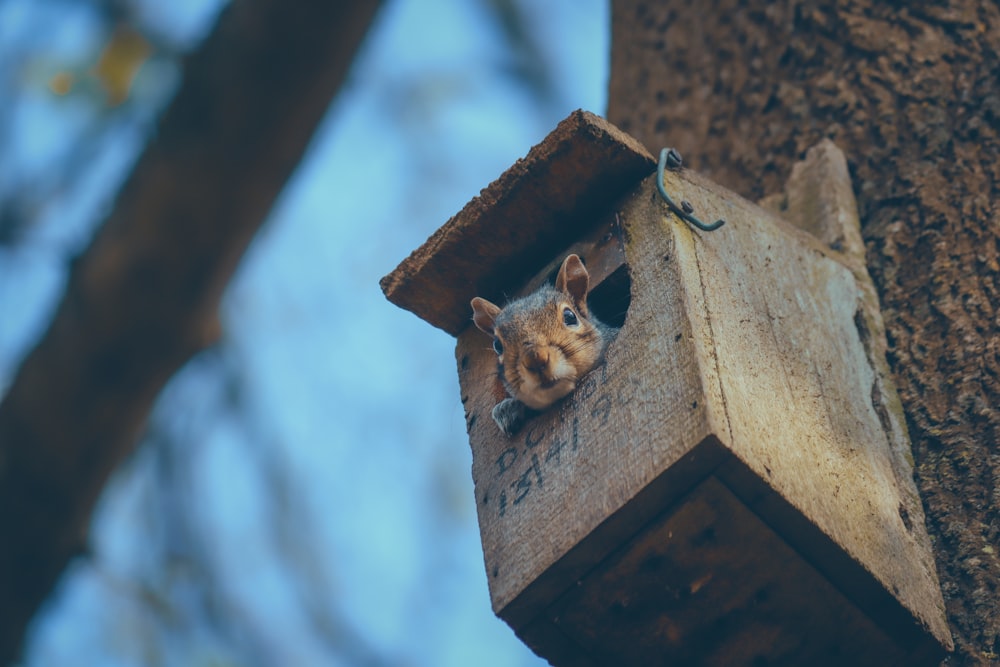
{"x":569,"y":318}
{"x":497,"y":346}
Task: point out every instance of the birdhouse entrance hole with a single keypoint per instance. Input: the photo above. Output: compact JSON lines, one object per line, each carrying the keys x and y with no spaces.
{"x":603,"y":253}
{"x":610,"y":299}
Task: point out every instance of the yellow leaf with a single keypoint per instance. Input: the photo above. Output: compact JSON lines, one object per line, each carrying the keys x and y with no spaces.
{"x":120,"y":61}
{"x":61,"y":83}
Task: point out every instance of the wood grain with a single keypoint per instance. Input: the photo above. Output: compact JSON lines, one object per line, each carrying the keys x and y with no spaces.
{"x":716,"y":587}
{"x":796,"y":383}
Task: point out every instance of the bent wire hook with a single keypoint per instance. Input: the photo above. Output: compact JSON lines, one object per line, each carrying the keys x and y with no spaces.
{"x":685,"y":210}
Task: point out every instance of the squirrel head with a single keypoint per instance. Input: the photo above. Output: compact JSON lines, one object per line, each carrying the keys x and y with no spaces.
{"x":545,"y":341}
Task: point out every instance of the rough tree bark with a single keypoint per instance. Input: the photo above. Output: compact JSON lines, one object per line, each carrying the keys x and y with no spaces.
{"x":143,"y":298}
{"x":911,"y":93}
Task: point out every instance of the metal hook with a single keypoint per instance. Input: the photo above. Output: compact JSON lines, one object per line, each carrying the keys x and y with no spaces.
{"x":684,"y":211}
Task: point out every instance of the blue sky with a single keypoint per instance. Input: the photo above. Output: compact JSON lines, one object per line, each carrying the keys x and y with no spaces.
{"x":341,"y":496}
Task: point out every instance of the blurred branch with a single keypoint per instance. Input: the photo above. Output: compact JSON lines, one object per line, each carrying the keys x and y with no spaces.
{"x":529,"y":63}
{"x":143,"y":298}
{"x":210,"y":591}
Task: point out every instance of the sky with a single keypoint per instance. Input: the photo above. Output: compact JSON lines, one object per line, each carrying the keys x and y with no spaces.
{"x":333,"y":512}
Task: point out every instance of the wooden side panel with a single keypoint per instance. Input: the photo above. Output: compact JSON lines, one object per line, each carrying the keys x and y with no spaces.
{"x":796,"y":386}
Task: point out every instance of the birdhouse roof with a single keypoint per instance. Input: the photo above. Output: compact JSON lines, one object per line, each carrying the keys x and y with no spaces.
{"x":538,"y":207}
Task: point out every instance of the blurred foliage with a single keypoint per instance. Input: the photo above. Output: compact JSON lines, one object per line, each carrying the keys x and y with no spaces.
{"x":75,"y":75}
{"x":124,"y":53}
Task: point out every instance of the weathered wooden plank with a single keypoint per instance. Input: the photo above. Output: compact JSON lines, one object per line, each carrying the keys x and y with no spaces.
{"x":818,"y":197}
{"x":796,"y":383}
{"x":716,"y":587}
{"x":506,"y":234}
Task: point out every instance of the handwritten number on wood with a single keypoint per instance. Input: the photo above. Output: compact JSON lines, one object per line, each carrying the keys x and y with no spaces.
{"x":506,"y":460}
{"x":523,"y":483}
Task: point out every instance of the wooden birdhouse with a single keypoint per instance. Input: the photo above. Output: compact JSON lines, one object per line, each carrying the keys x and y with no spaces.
{"x":733,"y":484}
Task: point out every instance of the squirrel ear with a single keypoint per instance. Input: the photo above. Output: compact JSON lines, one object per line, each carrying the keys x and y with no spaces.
{"x":484,"y":314}
{"x":574,"y":280}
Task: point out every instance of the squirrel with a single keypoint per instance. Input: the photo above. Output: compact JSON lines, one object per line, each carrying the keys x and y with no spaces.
{"x":545,"y":343}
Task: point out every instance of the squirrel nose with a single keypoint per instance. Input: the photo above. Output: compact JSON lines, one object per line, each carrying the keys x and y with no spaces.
{"x":536,"y":359}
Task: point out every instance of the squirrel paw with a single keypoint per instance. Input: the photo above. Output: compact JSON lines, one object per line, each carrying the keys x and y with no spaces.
{"x":510,"y":415}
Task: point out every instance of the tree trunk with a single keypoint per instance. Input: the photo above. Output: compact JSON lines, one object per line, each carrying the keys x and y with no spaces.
{"x":910,"y":92}
{"x":142,"y":299}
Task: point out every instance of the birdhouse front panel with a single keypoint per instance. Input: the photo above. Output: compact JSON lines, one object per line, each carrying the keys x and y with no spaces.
{"x":542,"y":492}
